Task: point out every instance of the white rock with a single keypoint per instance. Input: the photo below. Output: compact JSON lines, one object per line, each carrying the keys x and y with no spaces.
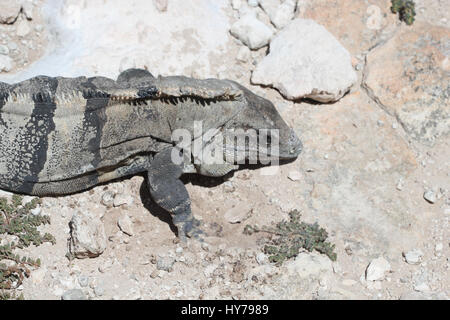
{"x":27,"y":199}
{"x":421,"y":286}
{"x":253,"y":3}
{"x":5,"y":194}
{"x":123,"y":199}
{"x":261,"y":258}
{"x":252,"y":32}
{"x":349,"y":282}
{"x":36,"y":211}
{"x":294,"y":175}
{"x":284,"y":14}
{"x":108,"y":198}
{"x":37,"y":276}
{"x":269,"y":6}
{"x":184,"y":37}
{"x":4,"y":49}
{"x":161,"y":5}
{"x":307,"y":265}
{"x":430,"y":196}
{"x":244,"y":54}
{"x":413,"y":256}
{"x":87,"y":235}
{"x":6,"y":63}
{"x":236,"y":4}
{"x":9,"y":10}
{"x":23,"y":28}
{"x":306,"y":61}
{"x":125,"y":224}
{"x":377,"y":269}
{"x":238,"y":213}
{"x":27,"y":9}
{"x":439,"y":246}
{"x":280,"y":14}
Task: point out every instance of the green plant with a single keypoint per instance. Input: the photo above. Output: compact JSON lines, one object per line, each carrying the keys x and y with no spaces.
{"x":288,"y":237}
{"x":405,"y":9}
{"x":16,"y":220}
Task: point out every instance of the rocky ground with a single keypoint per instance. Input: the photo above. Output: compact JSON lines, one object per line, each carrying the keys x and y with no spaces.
{"x":367,"y":94}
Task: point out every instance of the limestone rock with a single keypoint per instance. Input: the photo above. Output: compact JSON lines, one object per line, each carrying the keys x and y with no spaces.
{"x":408,"y":76}
{"x":279,"y":13}
{"x":413,"y":256}
{"x":126,"y":225}
{"x":23,"y":28}
{"x":306,"y":61}
{"x":74,"y":294}
{"x":308,"y":265}
{"x":377,"y":269}
{"x":87,"y":235}
{"x":252,"y":32}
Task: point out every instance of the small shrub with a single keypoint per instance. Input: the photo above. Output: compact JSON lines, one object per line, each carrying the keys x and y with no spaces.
{"x":17,"y":220}
{"x":288,"y":237}
{"x":405,"y":9}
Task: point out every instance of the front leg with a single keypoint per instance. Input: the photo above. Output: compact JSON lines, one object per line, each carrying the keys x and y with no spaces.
{"x":169,"y":192}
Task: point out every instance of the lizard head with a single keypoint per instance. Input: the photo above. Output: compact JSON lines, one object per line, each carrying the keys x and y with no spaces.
{"x":275,"y":139}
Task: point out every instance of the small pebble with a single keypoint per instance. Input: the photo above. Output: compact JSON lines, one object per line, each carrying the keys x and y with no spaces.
{"x":74,"y":294}
{"x":430,"y":196}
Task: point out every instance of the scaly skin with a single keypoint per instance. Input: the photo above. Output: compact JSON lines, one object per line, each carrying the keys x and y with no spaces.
{"x":64,"y":135}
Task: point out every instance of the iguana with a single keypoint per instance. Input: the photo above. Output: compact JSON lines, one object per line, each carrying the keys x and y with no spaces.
{"x":64,"y":135}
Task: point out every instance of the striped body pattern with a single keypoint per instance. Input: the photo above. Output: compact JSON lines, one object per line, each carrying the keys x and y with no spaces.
{"x":64,"y":135}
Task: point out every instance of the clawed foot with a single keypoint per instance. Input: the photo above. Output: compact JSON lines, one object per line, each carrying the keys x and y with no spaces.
{"x":190,"y":229}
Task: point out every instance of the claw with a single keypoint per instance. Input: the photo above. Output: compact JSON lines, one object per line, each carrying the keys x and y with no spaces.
{"x":190,"y":229}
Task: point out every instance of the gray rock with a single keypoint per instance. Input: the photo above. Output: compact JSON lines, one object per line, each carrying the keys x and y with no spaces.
{"x":87,"y":235}
{"x":74,"y":294}
{"x":99,"y":291}
{"x":377,"y":269}
{"x":306,"y":61}
{"x":83,"y":281}
{"x":251,"y":32}
{"x":165,"y":263}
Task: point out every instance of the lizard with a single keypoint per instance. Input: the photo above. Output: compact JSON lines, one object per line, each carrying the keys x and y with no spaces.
{"x":60,"y":135}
